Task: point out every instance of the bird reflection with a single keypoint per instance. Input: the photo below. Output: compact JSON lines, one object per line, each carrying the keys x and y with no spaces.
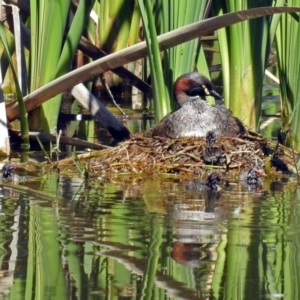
{"x":194,"y":231}
{"x":191,"y":255}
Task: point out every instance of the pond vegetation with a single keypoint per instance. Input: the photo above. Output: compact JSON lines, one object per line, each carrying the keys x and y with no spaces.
{"x":177,"y":61}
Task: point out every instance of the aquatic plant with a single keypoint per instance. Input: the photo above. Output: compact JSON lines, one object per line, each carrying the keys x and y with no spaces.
{"x":171,"y":67}
{"x":287,"y":50}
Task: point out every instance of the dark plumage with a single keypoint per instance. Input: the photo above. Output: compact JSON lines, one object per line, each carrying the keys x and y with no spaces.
{"x":211,"y":183}
{"x":210,"y":138}
{"x":253,"y":176}
{"x":211,"y":154}
{"x":8,"y":172}
{"x":252,"y":179}
{"x":196,"y":117}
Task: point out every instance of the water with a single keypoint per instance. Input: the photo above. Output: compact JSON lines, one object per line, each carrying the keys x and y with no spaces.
{"x":138,"y":238}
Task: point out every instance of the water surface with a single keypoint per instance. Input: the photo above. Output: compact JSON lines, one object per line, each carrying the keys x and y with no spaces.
{"x":138,"y":238}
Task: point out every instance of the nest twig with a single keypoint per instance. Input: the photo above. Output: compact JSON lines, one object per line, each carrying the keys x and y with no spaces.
{"x":152,"y":155}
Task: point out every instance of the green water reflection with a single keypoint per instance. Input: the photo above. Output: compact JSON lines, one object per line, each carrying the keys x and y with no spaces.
{"x":143,"y":239}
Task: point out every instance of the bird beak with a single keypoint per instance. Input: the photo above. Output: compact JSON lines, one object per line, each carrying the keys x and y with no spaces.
{"x":216,"y":95}
{"x":260,"y":172}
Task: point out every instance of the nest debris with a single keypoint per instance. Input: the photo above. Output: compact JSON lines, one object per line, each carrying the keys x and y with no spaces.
{"x":145,"y":154}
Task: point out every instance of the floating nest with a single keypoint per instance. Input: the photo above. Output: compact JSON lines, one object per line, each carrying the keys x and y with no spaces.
{"x":145,"y":154}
